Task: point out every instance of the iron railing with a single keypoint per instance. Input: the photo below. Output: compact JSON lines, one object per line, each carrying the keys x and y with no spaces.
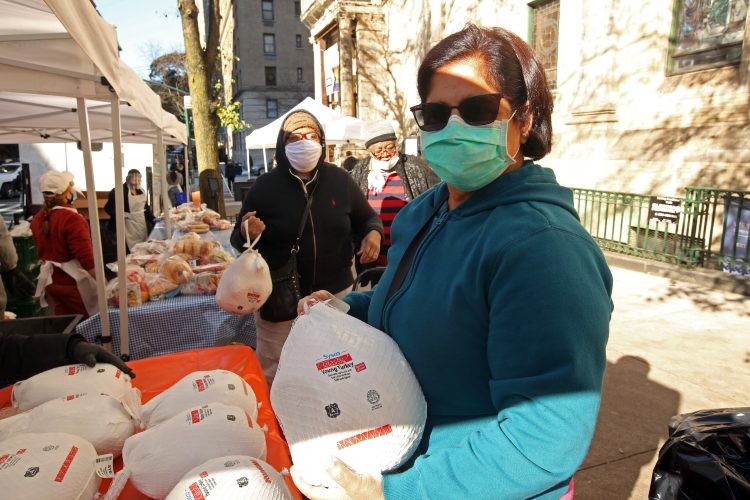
{"x":712,"y":230}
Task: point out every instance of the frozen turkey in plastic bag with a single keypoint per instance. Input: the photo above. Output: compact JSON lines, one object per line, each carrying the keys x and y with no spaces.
{"x":344,"y":388}
{"x":47,"y":465}
{"x":98,"y":418}
{"x":197,"y":388}
{"x":70,"y":380}
{"x":246,"y":284}
{"x":237,"y":477}
{"x":154,"y":460}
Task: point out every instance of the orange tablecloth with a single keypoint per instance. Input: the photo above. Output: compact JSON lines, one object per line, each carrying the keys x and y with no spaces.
{"x":154,"y":375}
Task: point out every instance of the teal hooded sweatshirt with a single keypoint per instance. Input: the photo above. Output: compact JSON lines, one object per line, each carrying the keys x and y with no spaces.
{"x":503,"y":316}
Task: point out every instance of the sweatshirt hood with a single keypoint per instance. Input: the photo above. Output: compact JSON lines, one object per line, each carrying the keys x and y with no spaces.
{"x":281,"y":159}
{"x":530,"y":183}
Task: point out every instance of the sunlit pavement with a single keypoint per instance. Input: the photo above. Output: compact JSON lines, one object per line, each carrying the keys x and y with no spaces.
{"x":674,"y":347}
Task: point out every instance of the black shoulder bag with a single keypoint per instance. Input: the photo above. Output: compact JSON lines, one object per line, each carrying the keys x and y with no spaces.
{"x":285,"y":294}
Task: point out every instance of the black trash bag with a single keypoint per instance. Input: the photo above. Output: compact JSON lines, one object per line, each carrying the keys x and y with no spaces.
{"x":707,"y":456}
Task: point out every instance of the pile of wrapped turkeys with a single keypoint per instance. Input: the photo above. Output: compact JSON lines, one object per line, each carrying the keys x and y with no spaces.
{"x":199,"y":438}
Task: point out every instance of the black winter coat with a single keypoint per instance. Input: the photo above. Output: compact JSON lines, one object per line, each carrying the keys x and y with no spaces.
{"x":339,"y":213}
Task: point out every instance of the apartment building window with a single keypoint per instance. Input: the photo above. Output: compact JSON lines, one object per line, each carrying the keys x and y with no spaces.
{"x":270,"y":75}
{"x":298,"y":41}
{"x":269,"y":44}
{"x":297,"y":8}
{"x":272,"y":108}
{"x":266,"y":7}
{"x":544,"y":34}
{"x":300,"y":75}
{"x":706,"y":34}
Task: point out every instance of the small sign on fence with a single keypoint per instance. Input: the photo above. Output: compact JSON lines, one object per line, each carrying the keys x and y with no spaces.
{"x":664,"y":209}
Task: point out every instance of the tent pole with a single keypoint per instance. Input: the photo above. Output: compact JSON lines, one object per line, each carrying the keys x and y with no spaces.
{"x":162,"y":163}
{"x":265,"y":160}
{"x":122,"y":291}
{"x":96,"y":237}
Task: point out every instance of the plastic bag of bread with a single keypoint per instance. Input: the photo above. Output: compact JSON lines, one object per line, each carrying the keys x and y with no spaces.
{"x":176,"y":270}
{"x":195,"y":247}
{"x":50,"y":465}
{"x":137,"y":293}
{"x":246,"y":285}
{"x":159,"y":286}
{"x":197,"y":388}
{"x":235,"y":477}
{"x":154,"y":460}
{"x":201,"y":284}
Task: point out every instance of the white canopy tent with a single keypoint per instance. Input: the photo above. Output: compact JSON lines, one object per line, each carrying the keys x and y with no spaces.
{"x":64,"y":48}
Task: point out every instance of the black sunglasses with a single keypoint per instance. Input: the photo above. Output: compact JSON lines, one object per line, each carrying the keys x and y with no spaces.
{"x":475,"y":110}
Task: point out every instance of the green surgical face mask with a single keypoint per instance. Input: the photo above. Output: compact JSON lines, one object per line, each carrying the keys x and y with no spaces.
{"x":466,"y":156}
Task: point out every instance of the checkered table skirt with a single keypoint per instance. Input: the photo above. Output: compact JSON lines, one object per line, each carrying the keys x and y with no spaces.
{"x":177,"y":324}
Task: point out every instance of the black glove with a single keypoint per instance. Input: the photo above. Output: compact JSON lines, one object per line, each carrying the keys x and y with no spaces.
{"x":84,"y":352}
{"x":18,"y":284}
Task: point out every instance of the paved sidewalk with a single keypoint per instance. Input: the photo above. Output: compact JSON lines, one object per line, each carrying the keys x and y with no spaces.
{"x":674,"y":347}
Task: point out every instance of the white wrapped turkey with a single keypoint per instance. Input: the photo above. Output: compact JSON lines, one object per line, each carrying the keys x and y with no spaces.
{"x":48,"y":465}
{"x":98,"y":418}
{"x":70,"y":380}
{"x":197,"y":388}
{"x":237,"y":477}
{"x":246,"y":284}
{"x":154,"y":460}
{"x":344,"y":389}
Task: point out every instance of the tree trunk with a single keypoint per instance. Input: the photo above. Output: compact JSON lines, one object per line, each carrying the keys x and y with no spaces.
{"x":200,"y":70}
{"x":199,"y":81}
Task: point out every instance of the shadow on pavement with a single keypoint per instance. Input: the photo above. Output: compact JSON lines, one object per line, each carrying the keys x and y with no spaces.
{"x":633,"y":420}
{"x":706,"y":299}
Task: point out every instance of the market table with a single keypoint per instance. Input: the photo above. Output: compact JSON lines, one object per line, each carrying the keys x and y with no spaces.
{"x":172,"y":325}
{"x":155,"y":375}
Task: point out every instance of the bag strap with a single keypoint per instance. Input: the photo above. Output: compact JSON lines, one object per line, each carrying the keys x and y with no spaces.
{"x":295,"y":247}
{"x":405,"y":264}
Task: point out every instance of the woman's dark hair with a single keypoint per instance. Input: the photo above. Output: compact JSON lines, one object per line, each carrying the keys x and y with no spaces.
{"x":51,"y":202}
{"x":509,"y":65}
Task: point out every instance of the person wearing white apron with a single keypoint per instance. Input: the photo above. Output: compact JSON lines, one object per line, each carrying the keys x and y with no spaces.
{"x":137,"y":214}
{"x":63,"y":243}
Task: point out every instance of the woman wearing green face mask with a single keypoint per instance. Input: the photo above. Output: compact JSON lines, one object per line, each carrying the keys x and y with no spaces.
{"x":495,"y":293}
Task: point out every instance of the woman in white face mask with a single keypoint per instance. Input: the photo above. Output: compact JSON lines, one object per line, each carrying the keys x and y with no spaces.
{"x":276,"y":207}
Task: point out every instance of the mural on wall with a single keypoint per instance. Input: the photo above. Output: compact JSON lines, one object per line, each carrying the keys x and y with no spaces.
{"x":709,"y":32}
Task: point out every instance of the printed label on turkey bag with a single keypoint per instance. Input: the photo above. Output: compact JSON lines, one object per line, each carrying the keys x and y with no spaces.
{"x":203,"y":383}
{"x":364,"y":436}
{"x":75,"y":369}
{"x":66,"y":464}
{"x":8,"y":460}
{"x":105,"y":465}
{"x":201,"y":488}
{"x":337,"y":365}
{"x":199,"y":414}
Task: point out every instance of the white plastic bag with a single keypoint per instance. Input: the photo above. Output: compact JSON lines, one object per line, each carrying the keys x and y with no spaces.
{"x":100,"y":419}
{"x":69,"y":380}
{"x":197,"y":388}
{"x":237,"y":477}
{"x":344,"y":389}
{"x":154,"y":460}
{"x":246,"y":284}
{"x":49,"y":465}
